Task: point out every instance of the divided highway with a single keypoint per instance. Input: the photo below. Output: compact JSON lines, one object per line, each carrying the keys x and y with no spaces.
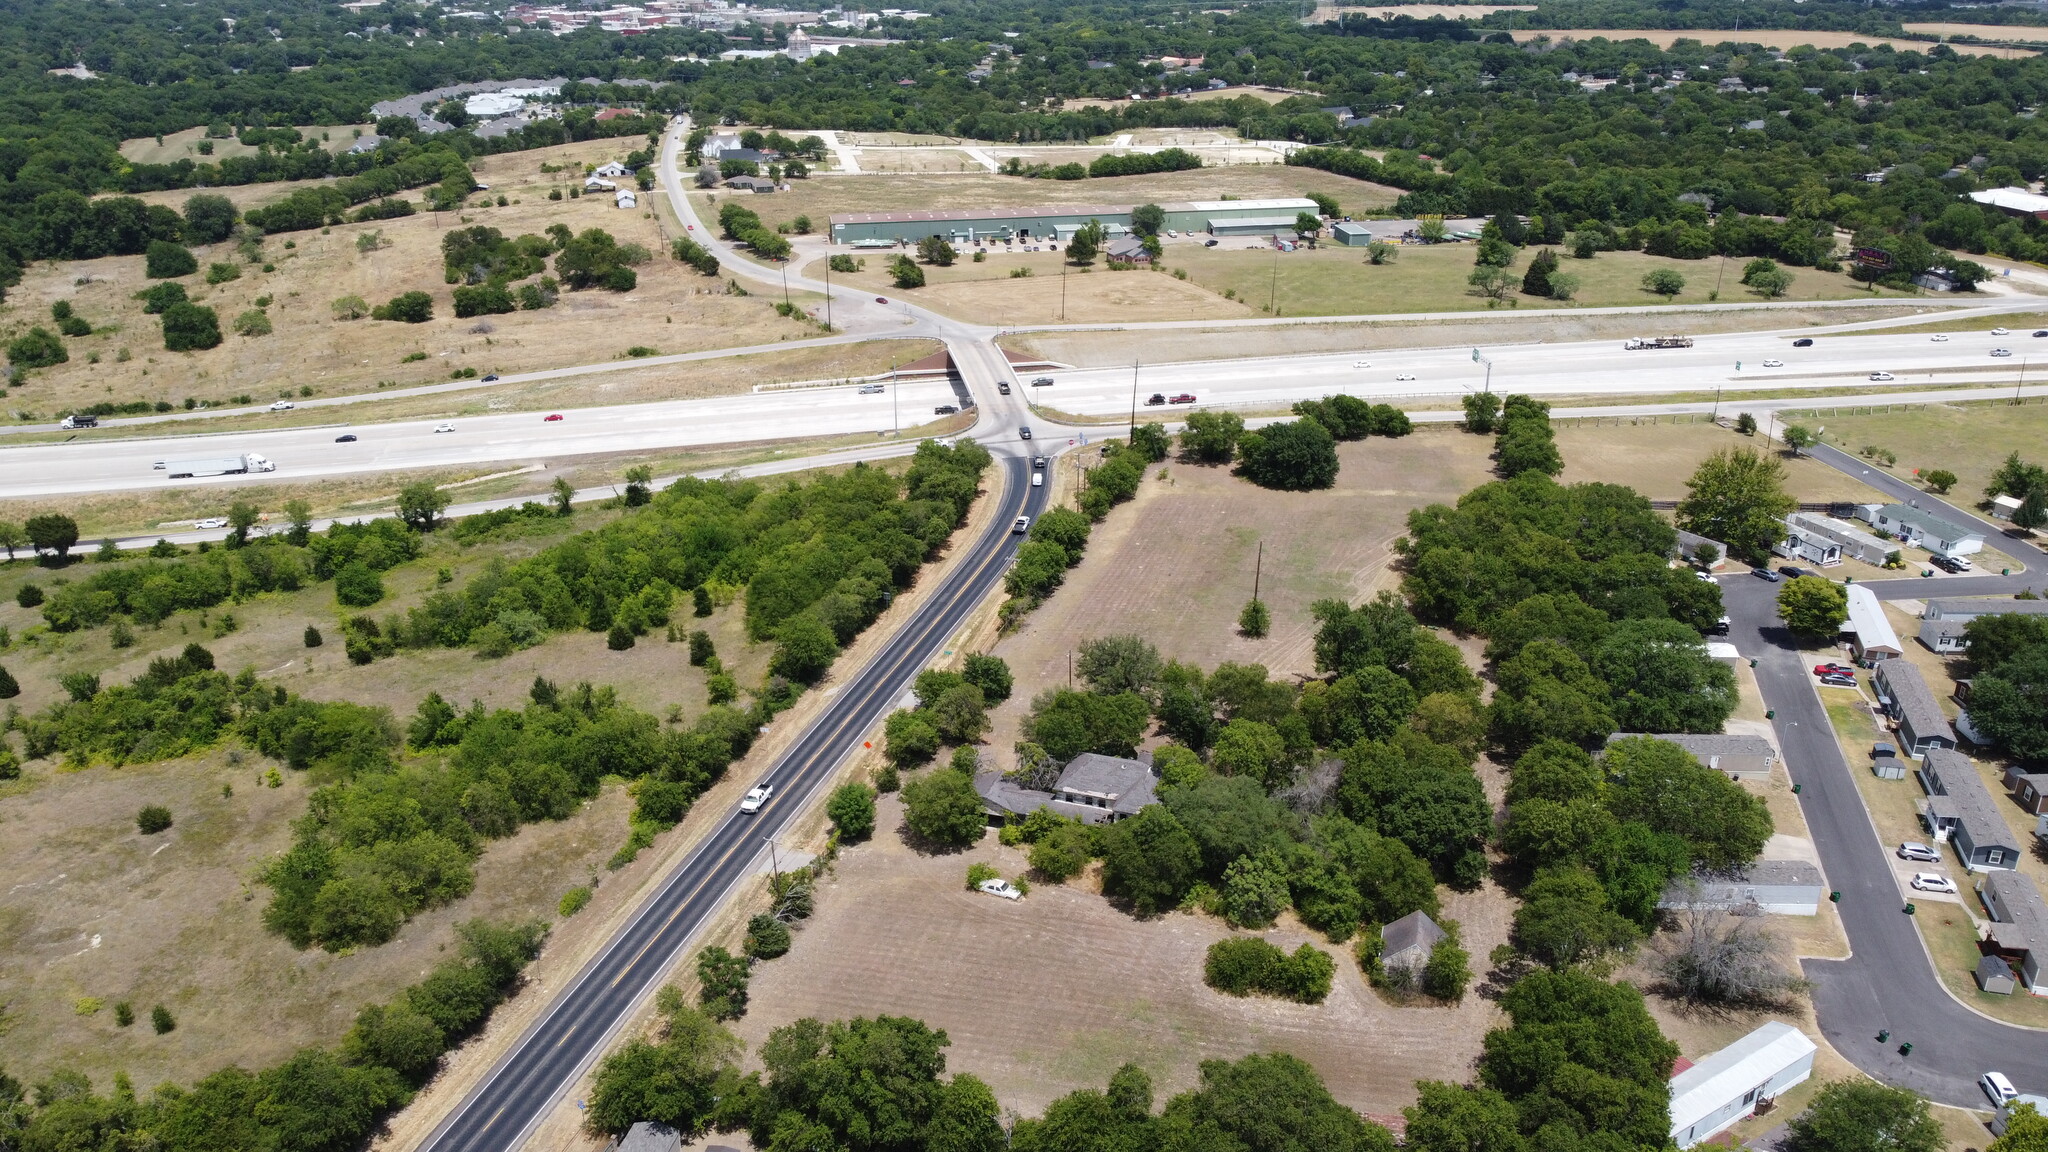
{"x":531,"y":1078}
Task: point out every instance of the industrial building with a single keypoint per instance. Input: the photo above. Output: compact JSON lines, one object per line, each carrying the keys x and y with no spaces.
{"x":1057,"y":222}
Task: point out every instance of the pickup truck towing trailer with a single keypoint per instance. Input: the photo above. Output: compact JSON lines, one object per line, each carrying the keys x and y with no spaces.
{"x":1659,"y":342}
{"x":219,"y":466}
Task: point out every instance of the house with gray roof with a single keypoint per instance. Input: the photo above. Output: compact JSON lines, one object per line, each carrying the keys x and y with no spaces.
{"x":1406,"y":943}
{"x":1092,"y":788}
{"x":1923,"y":529}
{"x":1961,"y":810}
{"x":1780,"y":887}
{"x":1910,"y":703}
{"x":1741,"y":756}
{"x":1943,"y":620}
{"x":650,"y":1136}
{"x":2019,"y":930}
{"x":1854,"y":542}
{"x":1688,"y":548}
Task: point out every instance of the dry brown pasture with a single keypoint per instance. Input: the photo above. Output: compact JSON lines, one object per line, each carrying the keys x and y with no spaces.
{"x":987,"y":293}
{"x":1052,"y":993}
{"x":673,"y":309}
{"x":1657,"y":459}
{"x":185,"y":145}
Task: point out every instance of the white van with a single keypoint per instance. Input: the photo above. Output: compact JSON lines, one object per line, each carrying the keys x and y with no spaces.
{"x":1038,"y":479}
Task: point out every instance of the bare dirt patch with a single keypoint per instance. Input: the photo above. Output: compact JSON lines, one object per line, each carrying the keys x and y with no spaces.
{"x":1054,"y":992}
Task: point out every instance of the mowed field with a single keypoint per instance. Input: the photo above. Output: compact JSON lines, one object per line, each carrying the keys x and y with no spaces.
{"x":673,"y":309}
{"x":988,"y":293}
{"x":1969,"y":440}
{"x":1656,"y":459}
{"x":89,"y":908}
{"x":822,"y":197}
{"x":1768,"y":37}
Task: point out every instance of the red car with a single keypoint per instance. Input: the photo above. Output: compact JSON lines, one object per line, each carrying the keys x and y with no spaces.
{"x":881,"y":299}
{"x":1183,"y":398}
{"x":1833,"y":670}
{"x":551,"y":417}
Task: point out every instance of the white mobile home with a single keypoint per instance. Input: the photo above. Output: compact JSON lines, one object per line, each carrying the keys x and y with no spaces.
{"x":1710,"y":1096}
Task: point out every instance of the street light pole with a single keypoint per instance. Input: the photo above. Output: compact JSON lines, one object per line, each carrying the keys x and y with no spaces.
{"x":2022,"y":381}
{"x":828,"y":292}
{"x":785,"y":283}
{"x":1063,"y":290}
{"x":1134,"y":400}
{"x":895,"y":422}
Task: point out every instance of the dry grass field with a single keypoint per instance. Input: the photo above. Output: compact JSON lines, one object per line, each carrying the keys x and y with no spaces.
{"x":185,"y":145}
{"x":673,"y":308}
{"x":1769,"y":38}
{"x":1103,"y":349}
{"x":1656,"y":459}
{"x":1969,"y":440}
{"x":2006,"y":33}
{"x":1326,"y":12}
{"x":988,"y":293}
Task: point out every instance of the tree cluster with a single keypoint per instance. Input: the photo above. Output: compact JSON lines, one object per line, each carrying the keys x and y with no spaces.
{"x":2008,"y":662}
{"x":1252,"y":965}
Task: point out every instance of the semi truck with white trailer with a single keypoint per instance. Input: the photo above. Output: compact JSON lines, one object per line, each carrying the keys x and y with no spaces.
{"x":217,"y":466}
{"x":1658,"y":342}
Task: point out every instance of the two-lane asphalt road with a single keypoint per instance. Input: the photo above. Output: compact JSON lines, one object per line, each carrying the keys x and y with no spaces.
{"x":585,"y":1016}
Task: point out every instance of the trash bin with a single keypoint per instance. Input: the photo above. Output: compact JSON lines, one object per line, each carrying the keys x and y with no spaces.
{"x":1906,"y":1049}
{"x":1795,"y":789}
{"x":1770,"y":713}
{"x":1909,"y":909}
{"x":1752,"y":662}
{"x":1884,"y":1035}
{"x":1835,"y":897}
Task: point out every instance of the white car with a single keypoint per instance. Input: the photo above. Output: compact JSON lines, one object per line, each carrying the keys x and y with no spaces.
{"x":1932,"y":882}
{"x":1361,"y":363}
{"x":871,"y":389}
{"x":1003,"y":888}
{"x":283,"y":406}
{"x":1774,"y":363}
{"x":1404,"y":375}
{"x":1921,"y":852}
{"x":444,"y":427}
{"x":1939,"y":338}
{"x":754,"y":799}
{"x":1022,"y":525}
{"x":2001,"y":351}
{"x":1997,"y":1087}
{"x":1880,"y":376}
{"x":212,"y":522}
{"x":2000,"y":332}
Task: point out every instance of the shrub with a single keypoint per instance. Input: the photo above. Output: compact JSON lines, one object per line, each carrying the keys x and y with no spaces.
{"x":164,"y":260}
{"x":8,"y":688}
{"x":409,"y":308}
{"x":573,"y":900}
{"x":1061,"y":854}
{"x":222,"y":273}
{"x":124,"y":1014}
{"x":39,"y":348}
{"x":161,"y":296}
{"x":852,"y":810}
{"x":702,"y":651}
{"x":1248,"y":965}
{"x":358,"y":585}
{"x":313,"y":637}
{"x":190,"y":328}
{"x":943,"y":809}
{"x":29,"y":595}
{"x":619,"y":638}
{"x":767,"y":937}
{"x":160,"y":1018}
{"x":979,"y":874}
{"x":254,"y":322}
{"x":723,"y":977}
{"x":152,"y":819}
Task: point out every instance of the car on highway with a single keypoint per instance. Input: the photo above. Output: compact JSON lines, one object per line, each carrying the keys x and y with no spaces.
{"x":1939,"y":338}
{"x":551,"y":417}
{"x":1361,"y":363}
{"x":1803,"y":342}
{"x":345,"y":438}
{"x":1155,"y":399}
{"x":1774,"y":363}
{"x":1998,"y":1088}
{"x":871,"y":389}
{"x":1832,"y":669}
{"x":2001,"y":351}
{"x":1040,"y":381}
{"x":212,"y":522}
{"x":1404,"y":375}
{"x":159,"y":465}
{"x":1765,"y":574}
{"x":444,"y":427}
{"x":1911,"y":850}
{"x":945,"y":409}
{"x":752,"y":801}
{"x":1022,"y":525}
{"x":283,"y":406}
{"x":1833,"y":681}
{"x":1881,"y":376}
{"x":1039,"y":461}
{"x":1003,"y":386}
{"x":1024,"y":433}
{"x":1932,"y":882}
{"x":2041,"y":332}
{"x":489,"y":377}
{"x":2000,"y":332}
{"x":1038,"y":479}
{"x":1003,"y":888}
{"x":881,"y":299}
{"x":1184,"y":398}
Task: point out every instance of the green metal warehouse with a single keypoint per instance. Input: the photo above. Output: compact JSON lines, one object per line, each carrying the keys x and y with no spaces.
{"x":967,"y":225}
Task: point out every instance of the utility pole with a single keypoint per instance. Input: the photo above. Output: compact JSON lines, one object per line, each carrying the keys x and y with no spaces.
{"x":1063,"y":290}
{"x":828,"y":292}
{"x":774,"y":860}
{"x":1134,"y":400}
{"x":895,"y":423}
{"x":1258,"y":569}
{"x":2023,"y":379}
{"x":1273,"y":290}
{"x":1717,"y":403}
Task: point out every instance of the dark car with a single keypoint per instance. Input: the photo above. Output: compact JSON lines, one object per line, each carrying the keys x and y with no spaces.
{"x":1039,"y":461}
{"x":1156,"y":398}
{"x":1023,"y":433}
{"x":881,"y":299}
{"x":1838,"y":681}
{"x":944,"y":410}
{"x":1719,"y":627}
{"x":2042,"y":332}
{"x":345,"y":438}
{"x":492,"y":376}
{"x":1793,"y":573}
{"x":1765,"y":574}
{"x":1803,"y":342}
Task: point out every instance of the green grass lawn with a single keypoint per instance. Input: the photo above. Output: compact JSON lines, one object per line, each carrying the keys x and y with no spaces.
{"x":2017,"y":321}
{"x":1336,"y":281}
{"x":1952,"y":939}
{"x":1968,"y":440}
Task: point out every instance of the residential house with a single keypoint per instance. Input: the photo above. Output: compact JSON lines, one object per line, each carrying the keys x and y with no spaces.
{"x":2004,"y":1114}
{"x":1874,"y":638}
{"x":598,"y":184}
{"x":626,"y":199}
{"x":1709,"y":1097}
{"x":1779,"y":887}
{"x":1742,"y":757}
{"x":2018,"y":933}
{"x":1938,"y":280}
{"x":370,"y":142}
{"x":1128,"y":250}
{"x":1856,"y":543}
{"x":1092,"y":788}
{"x":1689,"y":544}
{"x":1406,"y":943}
{"x":1960,"y":810}
{"x":649,"y":1136}
{"x":751,"y":183}
{"x":1808,"y":547}
{"x":612,"y":170}
{"x":1904,"y":694}
{"x":1943,"y":620}
{"x":1923,"y":529}
{"x":2030,"y":791}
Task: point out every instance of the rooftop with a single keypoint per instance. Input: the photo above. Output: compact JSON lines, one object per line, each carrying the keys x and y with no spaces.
{"x":1866,"y":617}
{"x":1968,"y":799}
{"x":1946,"y":609}
{"x":1708,"y":743}
{"x":1928,"y":523}
{"x":2012,"y":199}
{"x":1913,"y":699}
{"x":1701,"y":1090}
{"x":1288,"y":202}
{"x":1414,"y":930}
{"x":2017,"y":894}
{"x":962,"y":214}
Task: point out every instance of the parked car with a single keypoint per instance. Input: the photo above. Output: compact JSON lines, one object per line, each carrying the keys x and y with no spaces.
{"x":1939,"y":338}
{"x":1835,"y":681}
{"x":945,"y":409}
{"x":1996,"y":1086}
{"x":2001,"y":351}
{"x":344,"y":438}
{"x":1024,"y":433}
{"x":1881,"y":376}
{"x":551,"y":417}
{"x":1022,"y":525}
{"x":1789,"y":572}
{"x":1774,"y":363}
{"x":1765,"y":574}
{"x":1003,"y":888}
{"x":1803,"y":342}
{"x":444,"y":428}
{"x":881,"y":299}
{"x":1932,"y":882}
{"x":1184,"y":398}
{"x":1719,"y":627}
{"x":283,"y":406}
{"x":756,"y":797}
{"x":1833,"y":670}
{"x":1921,"y":852}
{"x":1950,"y":563}
{"x":212,"y":522}
{"x":1156,"y":398}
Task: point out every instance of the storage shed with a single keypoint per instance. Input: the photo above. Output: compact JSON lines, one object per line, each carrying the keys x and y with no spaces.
{"x":649,"y":1136}
{"x":1710,"y":1096}
{"x":1875,"y":639}
{"x":1351,"y":234}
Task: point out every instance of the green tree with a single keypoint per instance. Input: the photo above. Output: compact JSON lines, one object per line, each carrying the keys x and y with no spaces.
{"x":852,"y":811}
{"x":1086,"y":242}
{"x":905,"y":272}
{"x":161,"y":1020}
{"x":37,"y":348}
{"x":1447,"y":971}
{"x":1492,"y":283}
{"x":53,"y":534}
{"x":1456,"y":1118}
{"x":153,"y":819}
{"x":989,"y":673}
{"x":1737,"y":496}
{"x":1536,"y":281}
{"x":1482,"y":412}
{"x":1861,"y":1116}
{"x":1565,"y":918}
{"x":1296,"y":456}
{"x":406,"y":308}
{"x":1664,"y":282}
{"x":1813,"y":606}
{"x":1273,"y":1101}
{"x":190,"y":328}
{"x":1119,"y":663}
{"x":2013,"y":706}
{"x":1255,"y":620}
{"x":1149,"y":861}
{"x":909,"y":738}
{"x":1939,"y":480}
{"x":1663,"y":679}
{"x":943,"y":809}
{"x":1662,"y":786}
{"x":420,"y":505}
{"x":672,"y":1081}
{"x":165,"y":260}
{"x":1381,"y":252}
{"x":722,"y":979}
{"x":1211,"y":437}
{"x":1151,"y":442}
{"x":966,"y":1118}
{"x":1771,"y":284}
{"x":805,"y":648}
{"x":1255,"y":890}
{"x":2026,"y":1130}
{"x":1148,"y":219}
{"x":1066,"y":724}
{"x":1308,"y":226}
{"x":935,"y":250}
{"x":209,"y":218}
{"x":1798,"y":437}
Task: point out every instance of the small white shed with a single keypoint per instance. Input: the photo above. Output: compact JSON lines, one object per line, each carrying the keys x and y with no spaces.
{"x":1728,"y":1085}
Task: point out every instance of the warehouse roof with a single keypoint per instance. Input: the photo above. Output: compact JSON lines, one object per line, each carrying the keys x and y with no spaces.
{"x":944,"y":214}
{"x":1242,"y":205}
